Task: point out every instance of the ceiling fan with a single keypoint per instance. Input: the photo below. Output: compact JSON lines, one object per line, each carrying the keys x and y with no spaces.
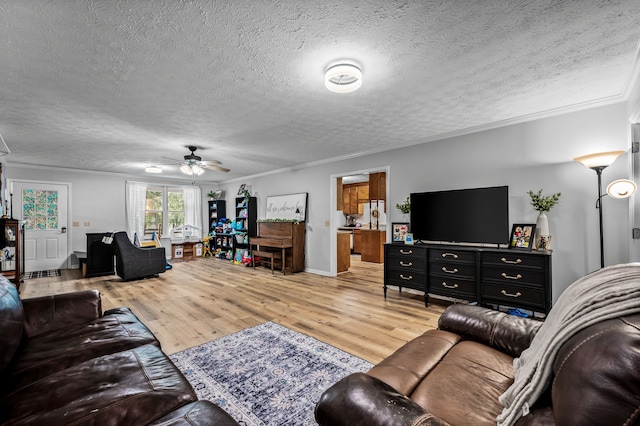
{"x":193,"y":165}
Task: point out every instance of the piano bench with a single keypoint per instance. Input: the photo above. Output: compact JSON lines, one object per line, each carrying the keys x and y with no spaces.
{"x":271,"y":255}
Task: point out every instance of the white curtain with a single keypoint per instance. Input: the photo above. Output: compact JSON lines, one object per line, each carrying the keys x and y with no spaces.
{"x":136,"y":199}
{"x":193,"y":209}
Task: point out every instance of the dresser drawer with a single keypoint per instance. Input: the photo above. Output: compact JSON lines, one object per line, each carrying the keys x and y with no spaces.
{"x":404,"y":250}
{"x":515,"y":259}
{"x":513,"y":294}
{"x":409,"y":279}
{"x":406,"y":262}
{"x":453,"y":255}
{"x":452,"y":286}
{"x":452,"y":269}
{"x":511,"y":275}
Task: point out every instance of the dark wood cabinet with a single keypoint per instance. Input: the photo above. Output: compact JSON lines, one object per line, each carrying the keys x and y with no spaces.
{"x":217,"y":211}
{"x":518,"y":279}
{"x":453,"y":273}
{"x":100,"y":259}
{"x":12,"y":246}
{"x":405,"y":266}
{"x":246,"y":224}
{"x":490,"y":277}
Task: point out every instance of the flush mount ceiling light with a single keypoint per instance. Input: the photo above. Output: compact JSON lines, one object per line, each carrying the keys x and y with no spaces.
{"x":153,"y":169}
{"x":343,"y":78}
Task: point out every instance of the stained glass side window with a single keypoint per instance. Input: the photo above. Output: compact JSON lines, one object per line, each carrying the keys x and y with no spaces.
{"x":40,"y":209}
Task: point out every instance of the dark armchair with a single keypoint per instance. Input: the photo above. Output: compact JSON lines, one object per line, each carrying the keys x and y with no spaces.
{"x":133,"y":262}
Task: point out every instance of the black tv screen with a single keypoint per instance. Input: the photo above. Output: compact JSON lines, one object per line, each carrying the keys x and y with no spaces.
{"x":479,"y":215}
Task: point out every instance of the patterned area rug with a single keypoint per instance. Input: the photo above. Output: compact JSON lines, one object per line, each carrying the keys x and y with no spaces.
{"x":267,"y":374}
{"x":42,"y":274}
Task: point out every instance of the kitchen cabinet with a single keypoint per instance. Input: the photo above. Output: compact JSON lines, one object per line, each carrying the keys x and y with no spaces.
{"x":357,"y":241}
{"x":373,"y":245}
{"x":354,"y":197}
{"x":344,"y":251}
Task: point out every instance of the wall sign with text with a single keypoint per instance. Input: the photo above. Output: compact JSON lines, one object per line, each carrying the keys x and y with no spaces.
{"x":292,"y":207}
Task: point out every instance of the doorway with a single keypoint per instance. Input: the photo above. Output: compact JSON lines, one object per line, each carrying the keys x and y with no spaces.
{"x":338,"y":219}
{"x":44,"y":206}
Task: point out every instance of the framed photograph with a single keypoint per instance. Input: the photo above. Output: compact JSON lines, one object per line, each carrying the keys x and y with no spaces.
{"x":522,"y":236}
{"x":242,"y":188}
{"x":399,"y":231}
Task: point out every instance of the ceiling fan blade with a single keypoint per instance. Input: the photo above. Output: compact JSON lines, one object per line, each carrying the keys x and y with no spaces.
{"x":173,"y":159}
{"x":213,"y":167}
{"x":212,"y":161}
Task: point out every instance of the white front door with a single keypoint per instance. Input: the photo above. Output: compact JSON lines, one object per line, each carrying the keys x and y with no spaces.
{"x":44,"y":208}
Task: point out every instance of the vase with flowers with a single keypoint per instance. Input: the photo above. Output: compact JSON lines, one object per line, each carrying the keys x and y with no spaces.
{"x":542,"y":204}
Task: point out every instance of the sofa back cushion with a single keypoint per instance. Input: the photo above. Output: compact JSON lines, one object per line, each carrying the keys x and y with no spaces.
{"x":597,"y":375}
{"x":11,"y":322}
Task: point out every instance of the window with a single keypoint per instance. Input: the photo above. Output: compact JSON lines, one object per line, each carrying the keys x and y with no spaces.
{"x":164,"y":205}
{"x":163,"y":209}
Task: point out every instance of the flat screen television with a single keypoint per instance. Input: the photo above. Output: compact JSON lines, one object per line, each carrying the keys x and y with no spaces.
{"x":478,"y":215}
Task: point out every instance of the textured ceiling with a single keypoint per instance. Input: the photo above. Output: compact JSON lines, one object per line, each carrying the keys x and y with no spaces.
{"x":118,"y":85}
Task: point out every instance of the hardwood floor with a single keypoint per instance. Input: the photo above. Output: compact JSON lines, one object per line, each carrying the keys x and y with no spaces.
{"x":207,"y":298}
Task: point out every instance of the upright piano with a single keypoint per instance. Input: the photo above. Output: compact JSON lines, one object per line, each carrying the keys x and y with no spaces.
{"x":286,"y":239}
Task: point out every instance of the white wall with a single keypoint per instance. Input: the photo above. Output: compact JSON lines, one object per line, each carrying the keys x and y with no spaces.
{"x":529,"y":156}
{"x":96,"y":198}
{"x":526,"y":156}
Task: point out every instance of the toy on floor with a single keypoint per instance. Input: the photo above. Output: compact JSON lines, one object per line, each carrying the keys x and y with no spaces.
{"x":207,"y":246}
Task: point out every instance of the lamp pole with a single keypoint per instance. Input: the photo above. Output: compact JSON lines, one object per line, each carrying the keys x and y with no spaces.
{"x":599,"y":170}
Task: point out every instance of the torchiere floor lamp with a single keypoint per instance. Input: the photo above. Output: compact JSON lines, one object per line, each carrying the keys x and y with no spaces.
{"x":622,"y":188}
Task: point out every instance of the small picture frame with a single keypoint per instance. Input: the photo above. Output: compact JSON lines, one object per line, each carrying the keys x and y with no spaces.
{"x":399,"y":231}
{"x":242,"y":188}
{"x":409,"y":238}
{"x":522,"y":236}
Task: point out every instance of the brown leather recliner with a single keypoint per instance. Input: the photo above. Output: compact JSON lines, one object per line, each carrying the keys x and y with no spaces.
{"x":454,"y":376}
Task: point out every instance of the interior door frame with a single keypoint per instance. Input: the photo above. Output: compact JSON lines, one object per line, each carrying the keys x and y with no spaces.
{"x":10,"y":182}
{"x":333,"y":205}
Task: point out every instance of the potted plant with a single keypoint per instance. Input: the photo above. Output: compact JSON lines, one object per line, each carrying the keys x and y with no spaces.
{"x":542,"y":204}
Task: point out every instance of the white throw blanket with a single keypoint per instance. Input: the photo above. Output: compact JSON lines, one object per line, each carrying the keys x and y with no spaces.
{"x":607,"y":293}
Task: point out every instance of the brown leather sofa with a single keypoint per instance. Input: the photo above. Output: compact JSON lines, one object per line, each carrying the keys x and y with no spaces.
{"x":64,"y":361}
{"x":454,"y":376}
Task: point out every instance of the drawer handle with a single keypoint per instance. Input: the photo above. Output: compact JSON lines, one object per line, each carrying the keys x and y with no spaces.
{"x":511,"y":277}
{"x":410,"y":277}
{"x":444,"y":284}
{"x":406,"y":264}
{"x":518,"y":294}
{"x":406,"y":252}
{"x":512,"y":262}
{"x":449,"y":271}
{"x":455,"y":256}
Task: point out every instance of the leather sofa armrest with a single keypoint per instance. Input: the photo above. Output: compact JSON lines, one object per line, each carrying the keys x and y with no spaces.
{"x":359,"y":400}
{"x":507,"y":333}
{"x":48,"y":313}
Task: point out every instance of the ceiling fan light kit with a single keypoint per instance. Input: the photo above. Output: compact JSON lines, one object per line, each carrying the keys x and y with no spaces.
{"x":343,"y":78}
{"x":194,"y":165}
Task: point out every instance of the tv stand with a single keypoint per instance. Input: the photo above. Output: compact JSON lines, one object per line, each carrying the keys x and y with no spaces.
{"x":491,"y":277}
